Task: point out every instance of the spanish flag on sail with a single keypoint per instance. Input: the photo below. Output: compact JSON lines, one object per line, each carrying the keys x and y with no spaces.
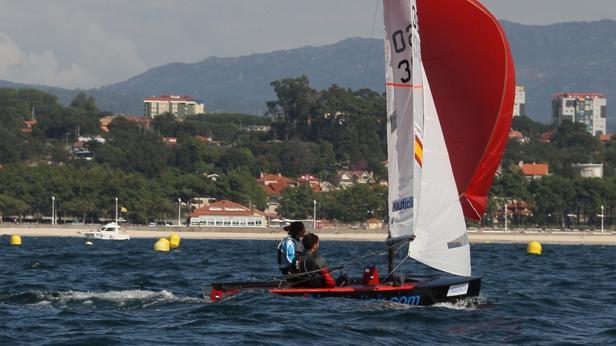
{"x":418,"y":151}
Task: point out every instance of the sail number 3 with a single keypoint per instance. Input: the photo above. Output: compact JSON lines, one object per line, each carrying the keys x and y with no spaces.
{"x":407,"y":39}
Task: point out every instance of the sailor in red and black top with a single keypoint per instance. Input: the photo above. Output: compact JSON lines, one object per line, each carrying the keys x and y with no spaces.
{"x":314,"y":266}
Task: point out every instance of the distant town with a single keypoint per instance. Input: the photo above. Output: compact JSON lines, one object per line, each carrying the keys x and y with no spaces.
{"x":319,"y":156}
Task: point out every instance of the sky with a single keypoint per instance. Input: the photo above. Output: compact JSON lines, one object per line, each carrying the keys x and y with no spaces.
{"x":88,"y":43}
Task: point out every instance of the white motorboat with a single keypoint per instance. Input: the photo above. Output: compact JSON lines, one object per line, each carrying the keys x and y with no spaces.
{"x":110,"y":231}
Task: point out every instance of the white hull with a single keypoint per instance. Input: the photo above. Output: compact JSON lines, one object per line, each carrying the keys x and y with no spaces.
{"x":110,"y":231}
{"x":106,"y":235}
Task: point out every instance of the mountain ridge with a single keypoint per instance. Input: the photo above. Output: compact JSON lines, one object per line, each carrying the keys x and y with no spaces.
{"x":572,"y":56}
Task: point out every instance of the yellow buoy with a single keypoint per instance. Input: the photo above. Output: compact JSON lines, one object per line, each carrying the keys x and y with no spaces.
{"x":15,"y":240}
{"x":162,"y":245}
{"x":534,"y":248}
{"x":174,"y":240}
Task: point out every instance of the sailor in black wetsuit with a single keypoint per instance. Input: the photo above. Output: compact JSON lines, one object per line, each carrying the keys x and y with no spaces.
{"x":316,"y":268}
{"x":290,"y":249}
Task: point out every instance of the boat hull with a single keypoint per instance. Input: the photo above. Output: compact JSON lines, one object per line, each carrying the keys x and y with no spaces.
{"x":103,"y":236}
{"x":412,"y":291}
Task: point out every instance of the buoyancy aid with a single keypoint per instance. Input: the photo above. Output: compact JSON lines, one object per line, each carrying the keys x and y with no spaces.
{"x":290,"y":251}
{"x":317,"y":272}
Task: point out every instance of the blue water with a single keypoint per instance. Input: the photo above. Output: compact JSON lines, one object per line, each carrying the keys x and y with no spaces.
{"x":57,"y":291}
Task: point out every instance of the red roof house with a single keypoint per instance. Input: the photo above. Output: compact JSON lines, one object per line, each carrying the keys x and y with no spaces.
{"x":274,"y":184}
{"x":605,"y":138}
{"x":312,"y":181}
{"x":227,"y":214}
{"x":534,"y":170}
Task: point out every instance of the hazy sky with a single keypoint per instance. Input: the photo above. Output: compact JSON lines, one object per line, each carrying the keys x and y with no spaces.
{"x":87,"y":43}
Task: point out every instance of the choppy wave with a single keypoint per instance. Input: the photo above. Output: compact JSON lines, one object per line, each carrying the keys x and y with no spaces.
{"x":58,"y":292}
{"x":125,"y":298}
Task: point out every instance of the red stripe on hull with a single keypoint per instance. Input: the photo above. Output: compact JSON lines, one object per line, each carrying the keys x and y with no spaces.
{"x":345,"y":290}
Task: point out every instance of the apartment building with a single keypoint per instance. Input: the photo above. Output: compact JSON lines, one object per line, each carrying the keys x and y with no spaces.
{"x":586,"y":108}
{"x":177,"y":105}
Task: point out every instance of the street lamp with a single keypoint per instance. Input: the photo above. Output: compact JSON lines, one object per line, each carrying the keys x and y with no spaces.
{"x":179,"y":210}
{"x":602,"y":216}
{"x":504,"y":201}
{"x":314,"y":214}
{"x":53,"y":210}
{"x":116,"y":210}
{"x":505,"y":207}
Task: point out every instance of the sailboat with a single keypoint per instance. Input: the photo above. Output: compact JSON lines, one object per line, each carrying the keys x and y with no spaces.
{"x":450,"y":89}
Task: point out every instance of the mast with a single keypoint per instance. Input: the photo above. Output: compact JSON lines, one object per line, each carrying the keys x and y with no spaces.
{"x":390,"y":258}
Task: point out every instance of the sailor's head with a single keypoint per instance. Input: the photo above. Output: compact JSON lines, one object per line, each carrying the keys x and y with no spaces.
{"x":311,"y":242}
{"x":296,"y":230}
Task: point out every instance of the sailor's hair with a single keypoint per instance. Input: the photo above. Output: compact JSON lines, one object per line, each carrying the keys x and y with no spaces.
{"x":296,"y":229}
{"x":309,"y":240}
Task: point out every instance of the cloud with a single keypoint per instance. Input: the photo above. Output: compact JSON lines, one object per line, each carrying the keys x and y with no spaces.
{"x":40,"y":68}
{"x":77,"y":43}
{"x":70,"y":51}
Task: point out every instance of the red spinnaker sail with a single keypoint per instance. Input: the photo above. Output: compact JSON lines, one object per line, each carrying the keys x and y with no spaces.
{"x":470,"y":69}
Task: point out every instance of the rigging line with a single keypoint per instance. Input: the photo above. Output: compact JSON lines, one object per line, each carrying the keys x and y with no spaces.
{"x":340,"y":265}
{"x":373,"y":254}
{"x":376,"y":10}
{"x":398,"y":266}
{"x":472,"y":206}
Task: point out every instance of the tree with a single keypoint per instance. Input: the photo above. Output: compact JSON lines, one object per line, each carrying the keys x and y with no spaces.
{"x":245,"y":190}
{"x":297,"y":202}
{"x":166,"y":124}
{"x":292,"y":110}
{"x":355,"y":204}
{"x":10,"y":206}
{"x":85,"y":102}
{"x":553,"y":196}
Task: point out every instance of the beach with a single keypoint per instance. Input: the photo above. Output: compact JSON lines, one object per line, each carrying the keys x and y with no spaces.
{"x":477,"y":236}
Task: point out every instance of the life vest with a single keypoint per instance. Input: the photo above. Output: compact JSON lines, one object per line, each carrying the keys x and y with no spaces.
{"x":286,"y":259}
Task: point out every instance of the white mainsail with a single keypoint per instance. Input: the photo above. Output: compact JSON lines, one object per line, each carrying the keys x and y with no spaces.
{"x":404,"y":113}
{"x":418,"y":159}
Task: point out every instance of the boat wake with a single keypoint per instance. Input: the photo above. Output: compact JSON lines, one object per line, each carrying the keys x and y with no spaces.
{"x":125,"y":299}
{"x":468,"y":304}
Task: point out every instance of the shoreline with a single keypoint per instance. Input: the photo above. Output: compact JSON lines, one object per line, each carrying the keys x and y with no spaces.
{"x":483,"y":236}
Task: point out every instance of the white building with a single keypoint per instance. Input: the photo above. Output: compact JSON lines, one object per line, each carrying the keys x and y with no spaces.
{"x":586,"y":108}
{"x":519,"y":104}
{"x":589,"y":170}
{"x":227,"y":214}
{"x":176,"y":105}
{"x":349,"y":178}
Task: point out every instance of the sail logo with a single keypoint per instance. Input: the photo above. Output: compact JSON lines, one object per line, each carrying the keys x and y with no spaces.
{"x":403,"y":204}
{"x":418,"y":151}
{"x":410,"y":300}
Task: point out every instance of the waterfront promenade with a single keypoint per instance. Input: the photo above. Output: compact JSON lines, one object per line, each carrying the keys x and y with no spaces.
{"x":520,"y":236}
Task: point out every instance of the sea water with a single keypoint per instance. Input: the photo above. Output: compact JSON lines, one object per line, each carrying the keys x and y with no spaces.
{"x":58,"y":291}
